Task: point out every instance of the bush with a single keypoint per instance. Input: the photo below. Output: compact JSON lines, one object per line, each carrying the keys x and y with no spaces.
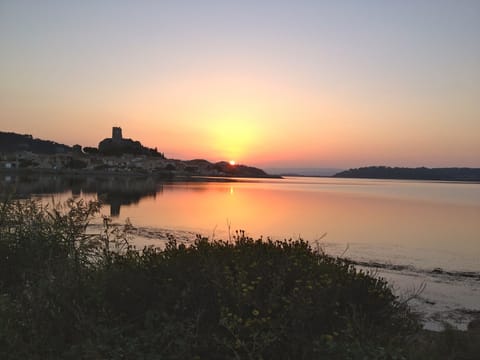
{"x":65,"y":293}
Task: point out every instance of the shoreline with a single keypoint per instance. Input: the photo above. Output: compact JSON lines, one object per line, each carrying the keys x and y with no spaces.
{"x":159,"y":175}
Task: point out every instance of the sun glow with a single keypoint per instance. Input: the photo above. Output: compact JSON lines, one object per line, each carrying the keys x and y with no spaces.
{"x":234,"y":132}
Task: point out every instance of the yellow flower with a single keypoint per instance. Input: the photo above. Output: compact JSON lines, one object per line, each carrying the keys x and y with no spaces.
{"x":328,"y":337}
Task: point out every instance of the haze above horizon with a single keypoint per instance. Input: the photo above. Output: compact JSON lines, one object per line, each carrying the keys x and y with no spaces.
{"x":272,"y":84}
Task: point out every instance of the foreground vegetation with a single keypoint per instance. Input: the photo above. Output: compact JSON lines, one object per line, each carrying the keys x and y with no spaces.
{"x":69,"y":294}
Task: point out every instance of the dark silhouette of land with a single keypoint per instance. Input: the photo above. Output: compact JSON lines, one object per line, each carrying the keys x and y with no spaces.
{"x":113,"y":155}
{"x":117,"y":145}
{"x":420,"y":173}
{"x":117,"y":154}
{"x":12,"y":142}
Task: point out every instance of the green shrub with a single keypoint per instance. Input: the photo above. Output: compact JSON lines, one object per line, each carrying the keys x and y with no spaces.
{"x":65,"y":293}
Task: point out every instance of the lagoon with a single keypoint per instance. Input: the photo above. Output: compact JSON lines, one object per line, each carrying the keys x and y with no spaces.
{"x":414,"y":233}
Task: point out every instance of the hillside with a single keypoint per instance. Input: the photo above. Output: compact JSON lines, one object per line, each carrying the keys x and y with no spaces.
{"x":224,"y":167}
{"x":12,"y":142}
{"x":421,"y":173}
{"x":115,"y":154}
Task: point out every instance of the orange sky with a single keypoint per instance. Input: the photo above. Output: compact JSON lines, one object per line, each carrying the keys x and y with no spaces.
{"x":268,"y":85}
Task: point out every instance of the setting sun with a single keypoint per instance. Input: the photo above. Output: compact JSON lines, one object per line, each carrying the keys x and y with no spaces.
{"x":232,"y":162}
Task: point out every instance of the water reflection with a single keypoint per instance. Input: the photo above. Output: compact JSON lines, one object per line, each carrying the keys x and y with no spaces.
{"x":431,"y":224}
{"x":116,"y":191}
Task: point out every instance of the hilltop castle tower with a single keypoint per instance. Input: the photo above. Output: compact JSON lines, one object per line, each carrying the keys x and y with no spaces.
{"x":118,"y":145}
{"x":117,"y":134}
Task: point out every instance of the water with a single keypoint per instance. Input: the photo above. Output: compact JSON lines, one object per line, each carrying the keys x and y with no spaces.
{"x":414,"y":233}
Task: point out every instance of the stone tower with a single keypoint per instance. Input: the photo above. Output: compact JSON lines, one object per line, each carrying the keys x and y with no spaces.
{"x":117,"y":134}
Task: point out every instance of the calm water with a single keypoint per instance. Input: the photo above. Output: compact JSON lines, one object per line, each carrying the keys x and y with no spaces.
{"x":410,"y":232}
{"x":410,"y":218}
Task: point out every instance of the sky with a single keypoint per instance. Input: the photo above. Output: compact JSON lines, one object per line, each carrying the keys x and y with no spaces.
{"x":269,"y":83}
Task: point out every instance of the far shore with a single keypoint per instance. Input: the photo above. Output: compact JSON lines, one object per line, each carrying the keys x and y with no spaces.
{"x":160,"y":175}
{"x":172,"y":176}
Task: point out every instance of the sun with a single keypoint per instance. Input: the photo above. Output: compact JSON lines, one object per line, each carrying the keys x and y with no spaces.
{"x":232,"y":162}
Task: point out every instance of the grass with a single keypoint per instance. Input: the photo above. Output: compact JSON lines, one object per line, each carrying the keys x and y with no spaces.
{"x":68,"y":294}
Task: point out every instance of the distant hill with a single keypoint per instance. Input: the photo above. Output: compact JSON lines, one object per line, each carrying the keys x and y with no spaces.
{"x":224,"y":168}
{"x":12,"y":142}
{"x":421,"y":173}
{"x":239,"y":170}
{"x":285,"y":171}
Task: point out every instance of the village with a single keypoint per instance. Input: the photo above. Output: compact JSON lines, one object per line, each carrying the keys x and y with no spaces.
{"x":115,"y":155}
